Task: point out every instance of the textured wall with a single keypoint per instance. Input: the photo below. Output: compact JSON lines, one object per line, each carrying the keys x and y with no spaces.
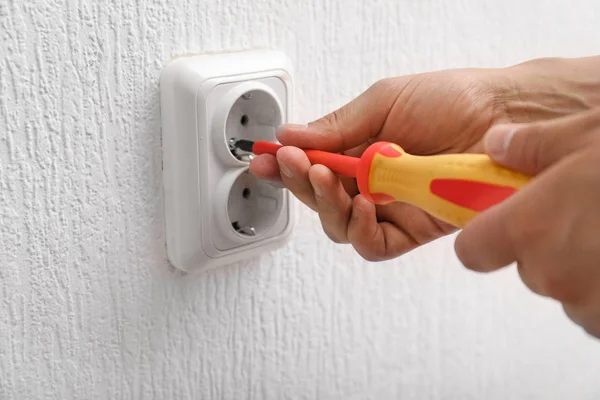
{"x":88,"y":303}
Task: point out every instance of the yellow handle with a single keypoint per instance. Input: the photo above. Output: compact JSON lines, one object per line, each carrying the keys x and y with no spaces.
{"x":453,"y":188}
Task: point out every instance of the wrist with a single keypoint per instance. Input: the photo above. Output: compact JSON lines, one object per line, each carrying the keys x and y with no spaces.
{"x":551,"y":88}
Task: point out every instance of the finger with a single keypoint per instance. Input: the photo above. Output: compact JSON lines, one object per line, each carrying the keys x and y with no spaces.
{"x":350,"y":186}
{"x":586,"y":317}
{"x":354,"y":123}
{"x":350,"y":183}
{"x":530,"y":279}
{"x":421,"y":227}
{"x":265,"y":166}
{"x":293,"y":166}
{"x":333,"y":204}
{"x":531,"y":148}
{"x":494,"y":238}
{"x":497,"y":237}
{"x":372,"y":240}
{"x":485,"y":244}
{"x":531,"y":223}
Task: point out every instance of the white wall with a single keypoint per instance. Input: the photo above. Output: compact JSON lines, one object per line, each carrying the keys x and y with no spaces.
{"x":88,"y":303}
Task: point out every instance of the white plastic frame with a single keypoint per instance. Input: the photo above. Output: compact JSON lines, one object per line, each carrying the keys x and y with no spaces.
{"x":196,"y":92}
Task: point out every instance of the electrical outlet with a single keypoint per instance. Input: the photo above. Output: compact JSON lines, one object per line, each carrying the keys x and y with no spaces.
{"x":216,"y":212}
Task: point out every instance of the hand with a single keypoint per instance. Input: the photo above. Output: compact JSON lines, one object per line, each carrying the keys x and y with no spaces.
{"x":551,"y":227}
{"x":431,"y":113}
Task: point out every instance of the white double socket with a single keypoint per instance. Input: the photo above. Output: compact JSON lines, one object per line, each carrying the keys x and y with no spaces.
{"x":216,"y":212}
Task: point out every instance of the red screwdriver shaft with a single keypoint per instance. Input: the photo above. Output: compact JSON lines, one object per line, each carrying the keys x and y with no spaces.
{"x":338,"y":163}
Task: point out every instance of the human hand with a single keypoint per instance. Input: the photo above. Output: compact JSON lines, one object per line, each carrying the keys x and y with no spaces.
{"x":431,"y":113}
{"x":551,"y":227}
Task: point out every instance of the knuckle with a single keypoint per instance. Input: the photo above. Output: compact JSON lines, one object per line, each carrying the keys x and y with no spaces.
{"x":573,"y":313}
{"x":335,"y":239}
{"x":553,"y":285}
{"x":592,"y":329}
{"x":588,"y":321}
{"x":366,"y":251}
{"x":467,"y":261}
{"x":333,"y":119}
{"x":383,"y":84}
{"x":553,"y":281}
{"x":334,"y":235}
{"x":333,"y":122}
{"x":369,"y":256}
{"x":542,"y":273}
{"x":527,"y":278}
{"x":370,"y":252}
{"x":385,"y":91}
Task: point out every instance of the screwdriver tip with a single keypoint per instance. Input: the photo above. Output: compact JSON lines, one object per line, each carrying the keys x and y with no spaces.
{"x":245,"y":145}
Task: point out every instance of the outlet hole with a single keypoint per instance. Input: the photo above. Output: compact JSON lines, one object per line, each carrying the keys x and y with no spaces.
{"x":244,"y":120}
{"x":253,"y":206}
{"x":248,"y":230}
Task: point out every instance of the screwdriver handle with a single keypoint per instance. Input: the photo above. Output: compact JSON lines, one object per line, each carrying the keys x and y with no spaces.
{"x":451,"y":187}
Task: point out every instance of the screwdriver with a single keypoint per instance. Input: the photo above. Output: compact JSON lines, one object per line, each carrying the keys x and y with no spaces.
{"x":454,"y":188}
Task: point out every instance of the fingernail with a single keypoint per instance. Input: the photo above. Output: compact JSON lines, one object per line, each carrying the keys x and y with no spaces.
{"x":285,"y":169}
{"x":317,"y":189}
{"x":285,"y":127}
{"x":356,"y":210}
{"x":497,"y":141}
{"x":295,"y":126}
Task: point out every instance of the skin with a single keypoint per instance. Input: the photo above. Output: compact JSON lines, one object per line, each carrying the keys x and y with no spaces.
{"x":472,"y":111}
{"x":551,"y":228}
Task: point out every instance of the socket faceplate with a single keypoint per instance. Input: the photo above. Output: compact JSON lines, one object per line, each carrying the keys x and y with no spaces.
{"x":207,"y":100}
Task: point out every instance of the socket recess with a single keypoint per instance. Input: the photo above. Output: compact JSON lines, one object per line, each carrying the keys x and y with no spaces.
{"x":216,"y":212}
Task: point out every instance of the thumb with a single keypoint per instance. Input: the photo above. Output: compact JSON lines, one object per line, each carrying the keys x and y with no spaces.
{"x":531,"y":148}
{"x":349,"y":126}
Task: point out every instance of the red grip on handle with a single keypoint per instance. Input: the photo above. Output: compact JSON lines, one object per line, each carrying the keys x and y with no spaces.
{"x":364,"y":170}
{"x":476,"y":196}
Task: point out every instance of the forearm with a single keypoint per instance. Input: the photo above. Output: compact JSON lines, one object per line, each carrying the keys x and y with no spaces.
{"x":551,"y":87}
